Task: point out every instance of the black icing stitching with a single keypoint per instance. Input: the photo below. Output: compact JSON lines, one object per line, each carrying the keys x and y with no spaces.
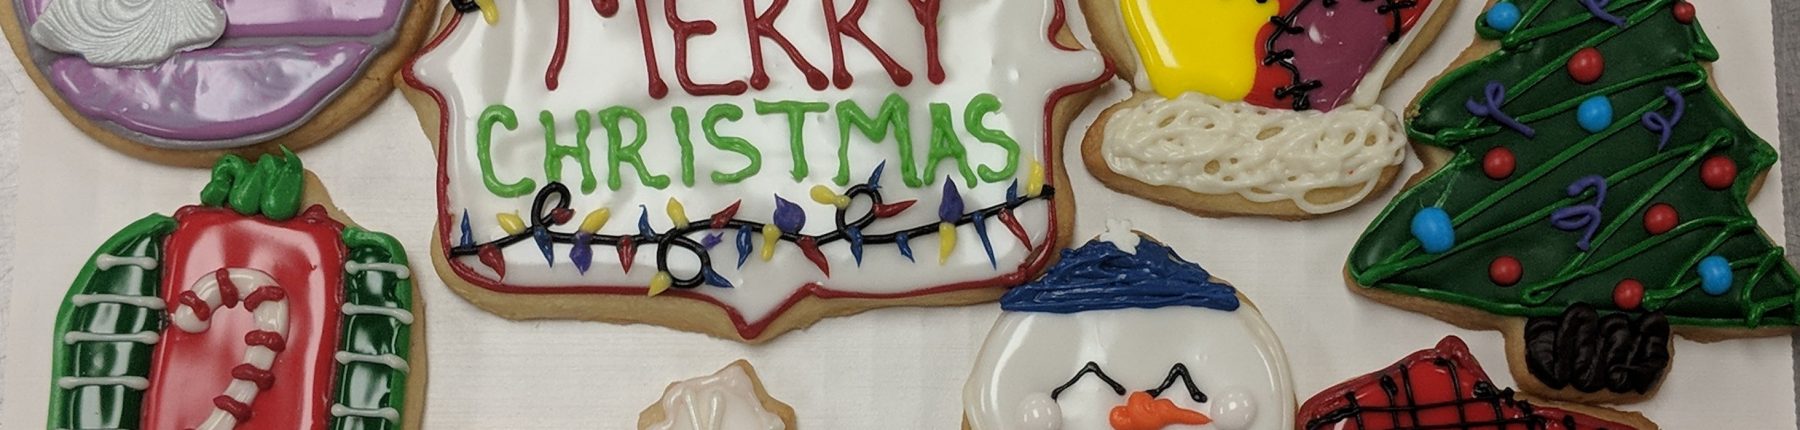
{"x":1299,"y":88}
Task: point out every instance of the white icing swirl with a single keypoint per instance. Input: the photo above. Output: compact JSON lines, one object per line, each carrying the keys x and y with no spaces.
{"x":128,"y":33}
{"x":1210,"y":146}
{"x":726,"y":400}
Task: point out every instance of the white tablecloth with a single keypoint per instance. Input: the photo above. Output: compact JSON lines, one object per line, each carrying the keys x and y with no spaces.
{"x":887,"y":369}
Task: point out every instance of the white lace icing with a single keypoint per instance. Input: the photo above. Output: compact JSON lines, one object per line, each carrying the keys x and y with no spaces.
{"x":1209,"y":146}
{"x":725,"y":400}
{"x":128,"y":33}
{"x":1118,"y":232}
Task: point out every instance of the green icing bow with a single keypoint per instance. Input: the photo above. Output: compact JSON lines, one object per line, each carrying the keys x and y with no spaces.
{"x":270,"y":186}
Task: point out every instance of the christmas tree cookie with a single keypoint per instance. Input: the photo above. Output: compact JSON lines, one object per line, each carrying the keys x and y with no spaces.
{"x":261,"y":308}
{"x":1585,"y":193}
{"x":1255,"y":107}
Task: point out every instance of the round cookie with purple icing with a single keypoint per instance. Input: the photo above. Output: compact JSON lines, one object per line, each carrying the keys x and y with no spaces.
{"x":185,"y":81}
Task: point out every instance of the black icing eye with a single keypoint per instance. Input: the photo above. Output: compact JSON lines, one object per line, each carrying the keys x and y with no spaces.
{"x":1179,"y":371}
{"x":1091,"y":368}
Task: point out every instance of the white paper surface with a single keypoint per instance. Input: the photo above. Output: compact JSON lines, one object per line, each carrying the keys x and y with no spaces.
{"x":886,"y":369}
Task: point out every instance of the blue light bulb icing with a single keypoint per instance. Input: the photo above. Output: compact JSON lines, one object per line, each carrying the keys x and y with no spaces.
{"x":1100,"y":276}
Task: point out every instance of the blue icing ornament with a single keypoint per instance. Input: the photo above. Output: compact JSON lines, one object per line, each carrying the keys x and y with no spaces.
{"x":1595,"y":114}
{"x":1100,"y":276}
{"x":1431,"y":226}
{"x":1715,"y":275}
{"x":1503,"y":16}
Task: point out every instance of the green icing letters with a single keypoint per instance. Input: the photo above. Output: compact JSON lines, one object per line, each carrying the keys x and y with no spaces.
{"x":893,"y":115}
{"x":709,"y":125}
{"x":796,"y":119}
{"x":945,"y":144}
{"x":484,"y":137}
{"x":617,"y":153}
{"x":979,"y":107}
{"x":553,"y":153}
{"x":679,"y":116}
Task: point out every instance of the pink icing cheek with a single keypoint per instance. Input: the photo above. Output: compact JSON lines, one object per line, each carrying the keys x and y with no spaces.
{"x":267,"y":18}
{"x":215,"y":94}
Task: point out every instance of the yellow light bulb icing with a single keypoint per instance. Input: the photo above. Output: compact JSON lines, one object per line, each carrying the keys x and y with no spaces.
{"x":824,"y":195}
{"x":946,"y":241}
{"x":489,"y":12}
{"x":770,"y":235}
{"x":1034,"y":183}
{"x":660,"y":283}
{"x":1205,"y":46}
{"x":510,"y":222}
{"x":677,"y":213}
{"x":595,"y":220}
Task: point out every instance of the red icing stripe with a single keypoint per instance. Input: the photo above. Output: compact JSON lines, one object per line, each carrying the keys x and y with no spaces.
{"x":265,"y":338}
{"x":231,"y":406}
{"x":263,"y":378}
{"x":264,"y":294}
{"x":201,"y":310}
{"x":228,"y":291}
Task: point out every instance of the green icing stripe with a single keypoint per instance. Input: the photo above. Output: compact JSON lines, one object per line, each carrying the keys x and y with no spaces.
{"x":1510,"y":217}
{"x":370,"y":386}
{"x":108,"y":406}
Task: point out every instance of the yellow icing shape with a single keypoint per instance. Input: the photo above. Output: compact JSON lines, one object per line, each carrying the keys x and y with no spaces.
{"x":1205,"y":46}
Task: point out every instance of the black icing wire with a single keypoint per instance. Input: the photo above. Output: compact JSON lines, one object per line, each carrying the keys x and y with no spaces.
{"x":543,"y":216}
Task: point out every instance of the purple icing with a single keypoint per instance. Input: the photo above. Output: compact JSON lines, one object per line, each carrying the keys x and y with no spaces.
{"x":211,"y":94}
{"x":1338,"y":47}
{"x":265,"y":18}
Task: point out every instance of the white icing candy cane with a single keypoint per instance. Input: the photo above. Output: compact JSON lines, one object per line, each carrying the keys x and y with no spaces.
{"x":268,"y":303}
{"x":1208,"y":146}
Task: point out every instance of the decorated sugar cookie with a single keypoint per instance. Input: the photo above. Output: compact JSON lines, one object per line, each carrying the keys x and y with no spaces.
{"x":1445,"y":388}
{"x":1584,"y":192}
{"x":1125,"y":335}
{"x":1255,"y":107}
{"x":743,"y":171}
{"x":184,"y":81}
{"x":260,"y":308}
{"x":730,"y":399}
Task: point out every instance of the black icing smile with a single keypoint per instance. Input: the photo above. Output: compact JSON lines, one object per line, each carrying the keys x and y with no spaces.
{"x":1177,"y":372}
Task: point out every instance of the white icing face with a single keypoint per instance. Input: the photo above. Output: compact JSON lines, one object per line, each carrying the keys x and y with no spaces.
{"x":1232,"y":357}
{"x":128,"y":33}
{"x":998,"y":47}
{"x":725,"y":400}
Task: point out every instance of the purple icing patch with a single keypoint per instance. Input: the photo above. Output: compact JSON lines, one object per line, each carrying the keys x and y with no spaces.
{"x":212,"y":94}
{"x":268,"y":18}
{"x":1338,"y":47}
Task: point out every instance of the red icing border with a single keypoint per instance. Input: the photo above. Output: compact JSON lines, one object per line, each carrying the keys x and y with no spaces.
{"x":748,"y":330}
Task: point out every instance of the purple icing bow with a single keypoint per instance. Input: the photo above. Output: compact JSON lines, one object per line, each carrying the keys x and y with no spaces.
{"x":1598,"y":8}
{"x":1495,"y":95}
{"x":1583,"y":216}
{"x":1665,"y":126}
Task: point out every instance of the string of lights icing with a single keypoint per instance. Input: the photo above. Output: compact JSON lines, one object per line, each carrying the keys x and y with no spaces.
{"x":550,"y":208}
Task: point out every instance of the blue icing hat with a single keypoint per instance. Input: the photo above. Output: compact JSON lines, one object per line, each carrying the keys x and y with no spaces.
{"x":1100,"y":276}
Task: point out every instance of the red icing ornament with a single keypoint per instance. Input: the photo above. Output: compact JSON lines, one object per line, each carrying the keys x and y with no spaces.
{"x":627,"y":252}
{"x":1660,"y":218}
{"x":1629,"y":294}
{"x":1506,"y":271}
{"x":490,"y":257}
{"x":1498,"y":163}
{"x":1012,"y":225}
{"x":890,"y":209}
{"x":809,"y":247}
{"x":1718,"y":172}
{"x":1586,"y":65}
{"x":1684,"y":12}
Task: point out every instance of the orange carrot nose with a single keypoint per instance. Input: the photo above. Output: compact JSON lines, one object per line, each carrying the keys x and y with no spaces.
{"x":1142,"y":412}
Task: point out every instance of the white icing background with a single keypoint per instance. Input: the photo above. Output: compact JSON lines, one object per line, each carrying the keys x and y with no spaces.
{"x":887,"y":369}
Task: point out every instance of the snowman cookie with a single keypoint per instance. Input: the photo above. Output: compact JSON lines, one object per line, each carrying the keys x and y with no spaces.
{"x":185,"y":81}
{"x":730,"y":399}
{"x":1255,"y":107}
{"x":1122,"y":334}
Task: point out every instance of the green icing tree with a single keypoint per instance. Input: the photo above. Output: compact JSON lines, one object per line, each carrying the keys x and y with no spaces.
{"x":1571,"y":208}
